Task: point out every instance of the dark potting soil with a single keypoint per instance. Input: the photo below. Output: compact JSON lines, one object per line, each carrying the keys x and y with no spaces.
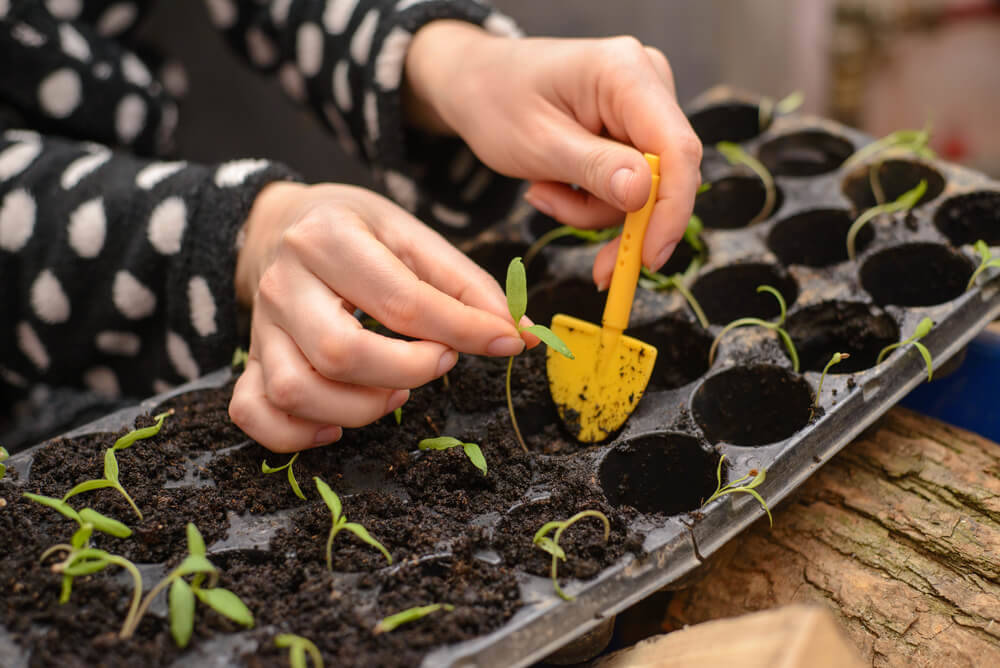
{"x":435,"y":513}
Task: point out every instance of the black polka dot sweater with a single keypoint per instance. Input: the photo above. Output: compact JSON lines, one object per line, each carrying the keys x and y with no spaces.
{"x":116,"y":265}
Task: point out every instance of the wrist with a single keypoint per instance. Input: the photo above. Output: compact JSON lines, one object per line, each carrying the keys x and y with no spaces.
{"x":261,"y":233}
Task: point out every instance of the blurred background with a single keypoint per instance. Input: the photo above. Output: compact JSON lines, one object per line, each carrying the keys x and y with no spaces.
{"x":879,"y":65}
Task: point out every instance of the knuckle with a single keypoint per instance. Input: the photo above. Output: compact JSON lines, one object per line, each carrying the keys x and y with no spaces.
{"x":401,"y":308}
{"x":594,"y":168}
{"x":241,"y":412}
{"x":335,"y":358}
{"x":627,"y":48}
{"x":690,"y":147}
{"x":284,"y":390}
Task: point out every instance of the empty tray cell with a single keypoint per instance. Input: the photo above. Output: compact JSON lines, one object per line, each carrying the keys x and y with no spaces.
{"x":495,"y":258}
{"x":682,"y":351}
{"x":915,"y":274}
{"x":632,"y":474}
{"x":752,"y":405}
{"x":855,"y":328}
{"x":730,"y":292}
{"x":966,"y":219}
{"x":733,"y":202}
{"x":816,"y":238}
{"x":805,"y":153}
{"x":577,"y":297}
{"x":734,"y":121}
{"x":895,"y":177}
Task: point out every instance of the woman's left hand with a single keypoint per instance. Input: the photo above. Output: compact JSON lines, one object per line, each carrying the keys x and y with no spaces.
{"x":560,"y":112}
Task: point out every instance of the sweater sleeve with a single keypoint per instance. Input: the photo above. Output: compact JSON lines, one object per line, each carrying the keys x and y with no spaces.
{"x":345,"y":59}
{"x":116,"y":272}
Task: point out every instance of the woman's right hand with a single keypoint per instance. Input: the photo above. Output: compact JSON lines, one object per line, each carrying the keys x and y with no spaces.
{"x":312,"y":254}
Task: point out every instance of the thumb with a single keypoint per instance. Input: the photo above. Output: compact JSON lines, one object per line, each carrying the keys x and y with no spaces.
{"x":614,"y":172}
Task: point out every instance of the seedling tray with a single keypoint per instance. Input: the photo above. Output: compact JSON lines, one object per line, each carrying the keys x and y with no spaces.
{"x":463,"y":539}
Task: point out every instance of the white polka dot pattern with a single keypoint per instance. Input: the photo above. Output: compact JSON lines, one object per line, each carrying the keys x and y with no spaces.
{"x":17,"y":220}
{"x":166,"y":226}
{"x":132,"y":299}
{"x":125,"y":344}
{"x":29,"y":344}
{"x":82,"y":167}
{"x":149,"y":176}
{"x":361,"y":42}
{"x":390,"y":60}
{"x":60,"y":93}
{"x":48,"y":299}
{"x":180,"y":356}
{"x":117,"y":18}
{"x":202,"y":306}
{"x":87,"y":228}
{"x":102,"y":381}
{"x":309,"y":49}
{"x":15,"y":158}
{"x":64,"y":9}
{"x":236,"y":172}
{"x":130,"y":115}
{"x":337,"y":14}
{"x":73,"y":43}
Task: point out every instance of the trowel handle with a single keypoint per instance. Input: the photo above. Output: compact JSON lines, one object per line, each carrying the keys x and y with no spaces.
{"x":629,"y":260}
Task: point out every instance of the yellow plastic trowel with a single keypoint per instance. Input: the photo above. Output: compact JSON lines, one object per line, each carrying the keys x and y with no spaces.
{"x":597,"y":391}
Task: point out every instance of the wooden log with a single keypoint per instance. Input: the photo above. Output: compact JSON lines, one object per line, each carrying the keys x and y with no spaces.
{"x":899,"y":535}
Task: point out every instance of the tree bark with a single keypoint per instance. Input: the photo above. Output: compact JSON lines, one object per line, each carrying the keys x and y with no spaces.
{"x":899,"y":535}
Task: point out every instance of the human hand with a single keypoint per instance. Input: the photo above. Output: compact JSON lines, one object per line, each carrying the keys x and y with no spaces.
{"x":539,"y":109}
{"x":314,"y":253}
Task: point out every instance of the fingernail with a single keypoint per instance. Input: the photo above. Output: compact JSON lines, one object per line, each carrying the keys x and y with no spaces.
{"x":396,"y":399}
{"x":620,"y":182}
{"x":540,"y":204}
{"x":603,"y":285}
{"x":664,"y":255}
{"x":327,"y":435}
{"x":525,"y":322}
{"x":505,"y":346}
{"x":447,"y":361}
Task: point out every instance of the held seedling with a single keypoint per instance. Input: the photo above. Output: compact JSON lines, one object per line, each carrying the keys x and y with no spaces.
{"x":182,"y":595}
{"x":411,"y":615}
{"x":551,"y":545}
{"x":517,"y":304}
{"x":923,"y":327}
{"x":472,"y":450}
{"x":339,"y":522}
{"x":773,"y":326}
{"x":904,"y":202}
{"x":291,"y":474}
{"x":836,"y":359}
{"x":734,"y":486}
{"x":986,"y":261}
{"x":298,"y":648}
{"x":735,"y":154}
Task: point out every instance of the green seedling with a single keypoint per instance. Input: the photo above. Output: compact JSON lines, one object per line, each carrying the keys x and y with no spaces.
{"x":81,"y":558}
{"x":775,"y":326}
{"x":923,"y":327}
{"x":240,"y":357}
{"x":517,"y":304}
{"x":904,"y":202}
{"x":398,"y":415}
{"x":339,"y":523}
{"x":110,"y":478}
{"x":915,"y":142}
{"x":836,"y":359}
{"x":590,"y":236}
{"x":768,"y":109}
{"x":551,"y":545}
{"x":986,"y":261}
{"x":4,"y":456}
{"x":291,"y":474}
{"x":734,"y":486}
{"x":406,"y":616}
{"x":656,"y":281}
{"x":183,"y":594}
{"x":298,"y":649}
{"x":472,"y":450}
{"x":735,"y":154}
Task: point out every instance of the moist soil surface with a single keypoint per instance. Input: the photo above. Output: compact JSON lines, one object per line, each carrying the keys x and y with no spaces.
{"x":455,"y":535}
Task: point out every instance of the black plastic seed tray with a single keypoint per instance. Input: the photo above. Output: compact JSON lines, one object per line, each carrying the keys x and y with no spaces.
{"x":749,"y":405}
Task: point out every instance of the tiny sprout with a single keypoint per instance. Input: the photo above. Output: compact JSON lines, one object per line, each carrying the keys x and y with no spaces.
{"x":836,"y":359}
{"x":551,"y":545}
{"x":391,"y":622}
{"x":656,"y":281}
{"x":767,"y":109}
{"x":298,"y":648}
{"x":590,"y":236}
{"x":735,"y":154}
{"x":773,"y":326}
{"x":240,"y":357}
{"x":472,"y":450}
{"x":340,"y":522}
{"x":986,"y":261}
{"x":914,"y":141}
{"x":182,"y":595}
{"x":923,"y":327}
{"x":398,"y":415}
{"x":749,"y":488}
{"x":4,"y":455}
{"x":291,"y":474}
{"x":904,"y":202}
{"x":517,"y":304}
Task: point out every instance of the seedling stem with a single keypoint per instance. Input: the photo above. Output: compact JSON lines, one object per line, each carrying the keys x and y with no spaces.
{"x":298,"y":648}
{"x":986,"y":261}
{"x":291,"y":474}
{"x":735,"y":154}
{"x":657,"y":281}
{"x":775,"y":326}
{"x":904,"y":202}
{"x":391,"y":622}
{"x":923,"y":327}
{"x":590,"y":236}
{"x":836,"y":359}
{"x":339,"y":522}
{"x":749,"y":488}
{"x":551,"y":545}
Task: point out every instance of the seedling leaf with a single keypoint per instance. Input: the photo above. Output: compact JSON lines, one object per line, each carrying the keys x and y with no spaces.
{"x":59,"y":505}
{"x":837,"y":358}
{"x":110,"y":465}
{"x":398,"y":415}
{"x":391,"y":622}
{"x":920,"y":331}
{"x":227,"y":604}
{"x":904,"y":202}
{"x":551,"y":545}
{"x":517,"y":290}
{"x":181,"y":607}
{"x":923,"y":328}
{"x":748,"y":488}
{"x":146,"y":432}
{"x":548,"y":545}
{"x":926,"y":354}
{"x":330,"y":498}
{"x":292,"y":481}
{"x":363,"y":534}
{"x":196,"y":544}
{"x":78,"y":567}
{"x":4,"y":455}
{"x":475,"y":456}
{"x":87,"y":486}
{"x":104,"y":523}
{"x":550,"y":339}
{"x":439,"y":443}
{"x":194,"y":563}
{"x":298,"y":646}
{"x":240,"y":357}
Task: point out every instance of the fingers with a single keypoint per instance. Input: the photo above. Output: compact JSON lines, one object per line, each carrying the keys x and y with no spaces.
{"x":573,"y":207}
{"x":604,"y":263}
